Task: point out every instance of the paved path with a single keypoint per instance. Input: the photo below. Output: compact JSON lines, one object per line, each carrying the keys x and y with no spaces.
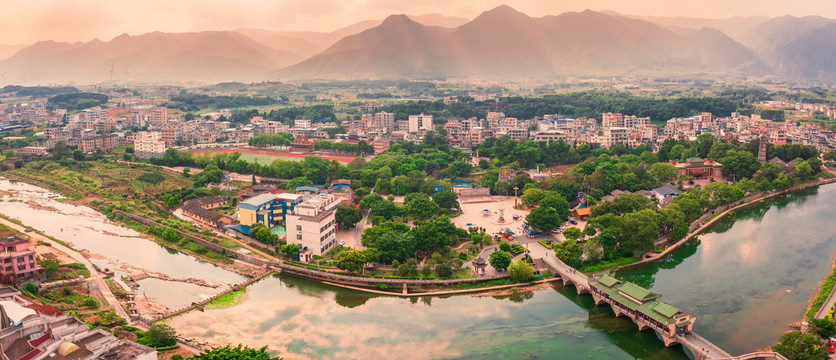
{"x":95,"y":276}
{"x":828,"y":303}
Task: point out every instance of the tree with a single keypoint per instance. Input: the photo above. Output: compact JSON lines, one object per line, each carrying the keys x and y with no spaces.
{"x":500,"y":260}
{"x":290,"y":251}
{"x":235,"y":353}
{"x":161,"y":335}
{"x":443,"y":270}
{"x":543,"y":218}
{"x":297,"y":182}
{"x":50,"y":267}
{"x":532,"y":196}
{"x":394,"y":245}
{"x":570,"y":252}
{"x":351,"y":260}
{"x":741,"y":164}
{"x":348,"y":216}
{"x":502,"y":187}
{"x":639,"y":230}
{"x":572,"y":233}
{"x":446,"y":199}
{"x":419,"y":206}
{"x":187,"y":172}
{"x":825,"y":326}
{"x":663,"y":173}
{"x":557,"y":202}
{"x":796,"y":345}
{"x":520,"y":271}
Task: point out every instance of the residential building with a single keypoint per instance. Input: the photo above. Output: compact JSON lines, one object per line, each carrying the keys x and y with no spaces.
{"x":312,"y":225}
{"x":17,"y":260}
{"x":420,"y":122}
{"x":26,"y":334}
{"x":148,"y":144}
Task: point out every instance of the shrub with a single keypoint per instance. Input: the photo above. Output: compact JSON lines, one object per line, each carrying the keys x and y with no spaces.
{"x":517,"y":249}
{"x":32,"y":288}
{"x":395,"y":264}
{"x":90,"y":303}
{"x":463,"y":255}
{"x":443,"y":271}
{"x":504,"y":246}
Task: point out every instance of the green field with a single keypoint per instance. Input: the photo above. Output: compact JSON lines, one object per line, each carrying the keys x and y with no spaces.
{"x":267,"y":159}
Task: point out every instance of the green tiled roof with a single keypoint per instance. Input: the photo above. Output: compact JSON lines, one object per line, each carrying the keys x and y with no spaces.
{"x":665,"y":309}
{"x":607,"y":280}
{"x":651,"y":305}
{"x":695,"y":159}
{"x":635,"y":291}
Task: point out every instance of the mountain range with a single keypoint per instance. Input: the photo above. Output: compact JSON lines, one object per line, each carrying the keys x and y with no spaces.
{"x":499,"y":43}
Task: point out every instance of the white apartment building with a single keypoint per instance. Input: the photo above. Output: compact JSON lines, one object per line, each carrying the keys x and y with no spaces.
{"x":148,"y":144}
{"x":549,"y":136}
{"x":613,"y":135}
{"x":312,"y":225}
{"x":301,"y":124}
{"x":420,"y":122}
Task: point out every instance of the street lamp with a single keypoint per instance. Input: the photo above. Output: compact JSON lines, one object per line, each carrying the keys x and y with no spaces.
{"x":515,"y":195}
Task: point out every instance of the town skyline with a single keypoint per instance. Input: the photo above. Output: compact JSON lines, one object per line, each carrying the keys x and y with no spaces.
{"x":104,"y":20}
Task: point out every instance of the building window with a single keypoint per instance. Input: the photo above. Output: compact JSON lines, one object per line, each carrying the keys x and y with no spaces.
{"x":31,"y":266}
{"x":21,"y":267}
{"x":21,"y":259}
{"x":298,"y":236}
{"x":31,"y":257}
{"x":298,"y":227}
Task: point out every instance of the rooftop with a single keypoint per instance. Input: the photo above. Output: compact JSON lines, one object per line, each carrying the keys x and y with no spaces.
{"x":258,"y":200}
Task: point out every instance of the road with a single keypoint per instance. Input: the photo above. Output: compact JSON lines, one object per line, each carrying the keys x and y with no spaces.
{"x":95,"y":276}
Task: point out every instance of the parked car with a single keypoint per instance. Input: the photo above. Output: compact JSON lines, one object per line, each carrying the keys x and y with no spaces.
{"x":342,"y":242}
{"x":831,"y":346}
{"x":573,"y":222}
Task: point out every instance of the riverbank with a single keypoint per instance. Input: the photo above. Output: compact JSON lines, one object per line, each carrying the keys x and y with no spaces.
{"x":650,"y":257}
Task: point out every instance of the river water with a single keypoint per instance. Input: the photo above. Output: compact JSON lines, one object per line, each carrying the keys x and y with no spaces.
{"x":747,"y":278}
{"x":87,"y":229}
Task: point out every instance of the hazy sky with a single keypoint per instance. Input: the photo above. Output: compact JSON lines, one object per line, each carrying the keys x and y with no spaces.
{"x":63,"y":20}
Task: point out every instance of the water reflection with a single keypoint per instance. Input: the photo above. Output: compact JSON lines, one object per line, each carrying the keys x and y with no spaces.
{"x":339,"y":323}
{"x":752,"y":273}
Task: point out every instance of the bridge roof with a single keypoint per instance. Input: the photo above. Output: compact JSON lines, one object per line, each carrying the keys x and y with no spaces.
{"x":607,"y":280}
{"x":665,"y":309}
{"x":636,"y":292}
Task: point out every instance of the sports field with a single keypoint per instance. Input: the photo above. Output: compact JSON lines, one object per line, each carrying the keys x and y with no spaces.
{"x":266,"y":157}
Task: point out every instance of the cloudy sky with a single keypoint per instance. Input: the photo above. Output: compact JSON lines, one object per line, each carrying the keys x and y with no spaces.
{"x":61,"y":20}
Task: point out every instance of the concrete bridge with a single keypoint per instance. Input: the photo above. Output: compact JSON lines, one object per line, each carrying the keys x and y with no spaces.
{"x":648,"y":312}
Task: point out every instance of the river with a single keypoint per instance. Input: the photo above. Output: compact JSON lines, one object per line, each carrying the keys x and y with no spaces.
{"x":753,"y":273}
{"x":747,"y":277}
{"x":112,"y":244}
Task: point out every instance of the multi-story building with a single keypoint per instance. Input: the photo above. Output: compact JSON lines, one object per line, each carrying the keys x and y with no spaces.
{"x":312,"y":225}
{"x":420,"y":122}
{"x":614,"y":135}
{"x":30,"y":335}
{"x":384,"y":121}
{"x":17,"y":260}
{"x":612,"y":120}
{"x":148,"y":144}
{"x":549,"y":136}
{"x":105,"y":142}
{"x":267,"y":209}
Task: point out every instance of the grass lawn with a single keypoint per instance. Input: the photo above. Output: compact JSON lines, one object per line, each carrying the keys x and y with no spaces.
{"x":265,"y":159}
